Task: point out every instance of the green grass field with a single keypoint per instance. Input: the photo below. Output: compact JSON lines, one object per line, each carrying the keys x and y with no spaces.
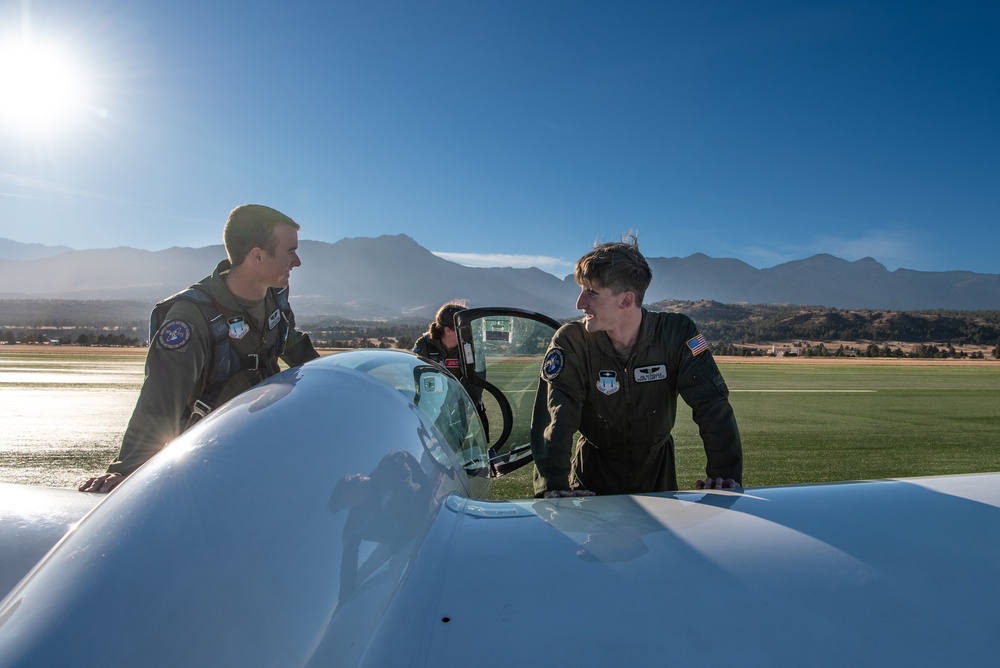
{"x":829,"y":422}
{"x":800,"y":422}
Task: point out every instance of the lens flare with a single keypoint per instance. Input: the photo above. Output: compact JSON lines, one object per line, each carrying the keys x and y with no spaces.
{"x":42,"y":87}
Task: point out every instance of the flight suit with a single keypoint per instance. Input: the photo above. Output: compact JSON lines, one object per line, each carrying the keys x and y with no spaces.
{"x":625,"y":409}
{"x":433,"y":349}
{"x":179,"y":360}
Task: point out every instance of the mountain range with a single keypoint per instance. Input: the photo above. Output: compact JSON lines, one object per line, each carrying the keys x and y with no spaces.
{"x":393,"y":276}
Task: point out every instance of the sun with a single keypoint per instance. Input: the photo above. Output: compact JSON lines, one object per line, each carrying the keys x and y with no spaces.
{"x":42,"y":87}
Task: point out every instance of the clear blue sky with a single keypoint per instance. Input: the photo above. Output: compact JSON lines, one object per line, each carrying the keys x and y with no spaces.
{"x":764,"y":131}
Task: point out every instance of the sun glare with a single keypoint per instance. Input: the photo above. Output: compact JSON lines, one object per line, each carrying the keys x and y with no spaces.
{"x":42,"y":87}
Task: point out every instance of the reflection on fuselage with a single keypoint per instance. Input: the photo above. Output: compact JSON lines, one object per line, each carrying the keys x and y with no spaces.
{"x":388,"y":507}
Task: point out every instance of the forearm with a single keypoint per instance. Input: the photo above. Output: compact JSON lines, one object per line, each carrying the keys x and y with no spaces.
{"x":173,"y":379}
{"x":721,"y":438}
{"x":145,"y":436}
{"x":298,"y":349}
{"x":552,"y":429}
{"x":158,"y":418}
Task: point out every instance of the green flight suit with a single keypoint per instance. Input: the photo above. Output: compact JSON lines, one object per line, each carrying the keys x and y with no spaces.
{"x":178,"y":361}
{"x":435,"y":350}
{"x":625,"y":409}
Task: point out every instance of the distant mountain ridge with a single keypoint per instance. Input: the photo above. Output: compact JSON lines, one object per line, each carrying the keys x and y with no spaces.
{"x":393,"y":276}
{"x":15,"y":250}
{"x":822,"y":280}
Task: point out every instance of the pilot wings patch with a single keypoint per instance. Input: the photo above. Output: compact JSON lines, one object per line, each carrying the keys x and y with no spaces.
{"x":647,"y":374}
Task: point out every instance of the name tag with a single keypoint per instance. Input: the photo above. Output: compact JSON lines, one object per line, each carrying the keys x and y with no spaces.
{"x":274,"y":319}
{"x":647,"y":374}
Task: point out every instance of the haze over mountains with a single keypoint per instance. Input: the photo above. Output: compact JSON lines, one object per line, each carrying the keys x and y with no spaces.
{"x":393,"y":276}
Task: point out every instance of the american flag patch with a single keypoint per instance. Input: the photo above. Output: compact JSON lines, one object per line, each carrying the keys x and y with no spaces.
{"x":698,"y":345}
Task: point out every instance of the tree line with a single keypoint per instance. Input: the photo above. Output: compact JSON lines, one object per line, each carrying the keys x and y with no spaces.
{"x":807,"y":349}
{"x":735,"y":328}
{"x":126,"y":323}
{"x":732,"y":329}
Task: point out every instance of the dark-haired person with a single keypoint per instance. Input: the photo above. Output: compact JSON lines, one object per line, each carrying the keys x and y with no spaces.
{"x":216,"y":339}
{"x":614,"y":376}
{"x":440,"y":341}
{"x":440,"y":344}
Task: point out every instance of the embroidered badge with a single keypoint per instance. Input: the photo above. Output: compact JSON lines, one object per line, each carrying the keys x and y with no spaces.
{"x":451,"y":363}
{"x":273,"y":319}
{"x":174,"y":334}
{"x":697,"y":345}
{"x":238,"y":327}
{"x":608,"y":382}
{"x":648,"y":374}
{"x":431,"y":383}
{"x":552,"y":364}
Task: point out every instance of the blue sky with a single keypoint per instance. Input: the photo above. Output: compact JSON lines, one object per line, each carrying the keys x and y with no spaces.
{"x":513,"y":131}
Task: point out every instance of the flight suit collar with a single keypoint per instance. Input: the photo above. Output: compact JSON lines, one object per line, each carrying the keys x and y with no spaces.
{"x":645,"y":338}
{"x":642,"y":341}
{"x":441,"y":349}
{"x":220,"y":291}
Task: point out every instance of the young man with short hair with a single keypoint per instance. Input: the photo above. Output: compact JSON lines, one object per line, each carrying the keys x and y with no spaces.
{"x":614,"y":376}
{"x":216,"y":339}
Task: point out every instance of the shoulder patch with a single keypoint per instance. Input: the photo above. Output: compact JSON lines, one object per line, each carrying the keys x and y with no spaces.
{"x":552,"y":364}
{"x":697,"y":345}
{"x":174,"y":334}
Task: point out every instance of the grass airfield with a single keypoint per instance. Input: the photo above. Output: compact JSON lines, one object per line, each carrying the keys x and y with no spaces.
{"x":806,"y":421}
{"x":801,"y":419}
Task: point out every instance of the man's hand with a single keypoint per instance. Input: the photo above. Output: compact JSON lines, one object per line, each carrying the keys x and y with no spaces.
{"x":559,"y":493}
{"x":102,"y":484}
{"x":717,"y":483}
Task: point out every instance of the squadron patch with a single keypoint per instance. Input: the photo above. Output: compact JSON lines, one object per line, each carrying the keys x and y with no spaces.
{"x":607,"y":382}
{"x":552,"y":364}
{"x":698,"y":345}
{"x":238,"y":327}
{"x":174,"y":334}
{"x":648,"y":374}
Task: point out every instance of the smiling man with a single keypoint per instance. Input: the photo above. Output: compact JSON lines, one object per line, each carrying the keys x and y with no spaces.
{"x":614,"y":376}
{"x":216,"y":339}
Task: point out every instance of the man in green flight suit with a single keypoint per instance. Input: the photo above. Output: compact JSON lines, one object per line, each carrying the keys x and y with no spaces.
{"x":614,"y":376}
{"x":216,"y":339}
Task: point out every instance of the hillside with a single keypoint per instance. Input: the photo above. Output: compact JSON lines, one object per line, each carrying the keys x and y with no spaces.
{"x":762,"y":323}
{"x":393,"y":277}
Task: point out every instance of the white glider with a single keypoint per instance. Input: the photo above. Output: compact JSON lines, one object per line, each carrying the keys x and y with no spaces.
{"x":338,"y":515}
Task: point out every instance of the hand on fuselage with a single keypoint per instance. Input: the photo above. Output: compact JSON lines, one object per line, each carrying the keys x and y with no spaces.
{"x":102,"y":484}
{"x":717,"y":483}
{"x":560,"y":493}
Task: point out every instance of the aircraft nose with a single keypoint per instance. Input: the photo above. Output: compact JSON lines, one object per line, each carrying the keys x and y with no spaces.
{"x":358,"y":470}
